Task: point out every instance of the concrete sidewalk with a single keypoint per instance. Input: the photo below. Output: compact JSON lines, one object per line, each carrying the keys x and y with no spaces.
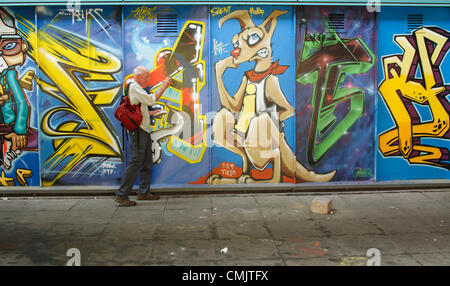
{"x":408,"y":228}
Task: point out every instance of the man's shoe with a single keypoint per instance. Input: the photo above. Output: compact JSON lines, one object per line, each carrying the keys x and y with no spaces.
{"x":124,"y":201}
{"x":146,"y":197}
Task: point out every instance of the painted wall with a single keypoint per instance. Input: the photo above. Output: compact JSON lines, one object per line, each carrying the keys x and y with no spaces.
{"x":248,"y":105}
{"x":413,"y":106}
{"x":260,"y":94}
{"x":335,"y":91}
{"x":173,"y":42}
{"x":19,"y":154}
{"x":79,"y":78}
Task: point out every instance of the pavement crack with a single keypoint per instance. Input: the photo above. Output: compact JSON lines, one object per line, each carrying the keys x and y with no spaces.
{"x":322,"y":229}
{"x":103,"y":231}
{"x":213,"y":231}
{"x":75,"y":204}
{"x":269,"y":231}
{"x":379,"y":228}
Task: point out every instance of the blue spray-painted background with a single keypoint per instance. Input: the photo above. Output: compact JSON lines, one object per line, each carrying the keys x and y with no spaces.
{"x":221,"y":46}
{"x":392,"y":22}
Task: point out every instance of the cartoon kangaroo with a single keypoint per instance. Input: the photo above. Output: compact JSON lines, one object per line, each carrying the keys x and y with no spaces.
{"x":249,"y":122}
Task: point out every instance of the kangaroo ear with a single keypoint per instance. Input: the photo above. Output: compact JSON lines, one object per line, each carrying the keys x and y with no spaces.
{"x":268,"y":25}
{"x":271,"y":21}
{"x":241,"y":15}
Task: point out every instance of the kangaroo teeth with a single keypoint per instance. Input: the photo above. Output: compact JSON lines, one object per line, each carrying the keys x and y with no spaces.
{"x":263,"y":53}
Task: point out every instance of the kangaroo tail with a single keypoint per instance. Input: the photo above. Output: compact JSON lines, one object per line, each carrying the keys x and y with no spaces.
{"x":293,"y":168}
{"x":302,"y":173}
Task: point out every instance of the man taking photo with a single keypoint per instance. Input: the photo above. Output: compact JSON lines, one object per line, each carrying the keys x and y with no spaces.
{"x":141,"y":144}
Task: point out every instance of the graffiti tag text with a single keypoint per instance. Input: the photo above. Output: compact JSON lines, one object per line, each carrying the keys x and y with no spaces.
{"x":21,"y":176}
{"x":220,"y":10}
{"x":145,"y":14}
{"x":219,"y":47}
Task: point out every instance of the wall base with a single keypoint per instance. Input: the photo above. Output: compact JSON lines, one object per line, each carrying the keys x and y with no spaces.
{"x":307,"y":188}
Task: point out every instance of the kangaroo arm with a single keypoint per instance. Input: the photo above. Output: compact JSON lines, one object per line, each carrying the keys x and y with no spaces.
{"x":231,"y":103}
{"x":274,"y":93}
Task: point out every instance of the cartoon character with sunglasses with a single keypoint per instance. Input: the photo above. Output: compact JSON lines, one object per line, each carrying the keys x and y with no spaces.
{"x":16,"y":135}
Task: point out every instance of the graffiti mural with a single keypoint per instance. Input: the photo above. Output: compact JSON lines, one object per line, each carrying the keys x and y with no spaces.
{"x":79,"y":85}
{"x":425,"y":47}
{"x":19,"y":158}
{"x":335,"y":91}
{"x":251,"y":117}
{"x":415,"y":108}
{"x":247,"y":103}
{"x":170,"y":42}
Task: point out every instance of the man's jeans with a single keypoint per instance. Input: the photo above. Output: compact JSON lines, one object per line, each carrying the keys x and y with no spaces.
{"x":141,"y":163}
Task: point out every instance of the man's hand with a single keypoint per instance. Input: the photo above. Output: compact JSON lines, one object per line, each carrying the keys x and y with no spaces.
{"x":156,"y":113}
{"x":18,"y":141}
{"x":165,"y":84}
{"x":4,"y":98}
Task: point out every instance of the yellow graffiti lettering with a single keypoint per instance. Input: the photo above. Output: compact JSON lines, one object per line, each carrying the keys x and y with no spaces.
{"x":145,"y":14}
{"x":400,"y":86}
{"x":26,"y":81}
{"x":220,"y":10}
{"x":256,"y":11}
{"x":21,"y":174}
{"x":5,"y":181}
{"x":61,"y":57}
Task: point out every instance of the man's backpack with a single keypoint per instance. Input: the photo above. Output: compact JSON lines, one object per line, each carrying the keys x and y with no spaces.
{"x":129,"y":115}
